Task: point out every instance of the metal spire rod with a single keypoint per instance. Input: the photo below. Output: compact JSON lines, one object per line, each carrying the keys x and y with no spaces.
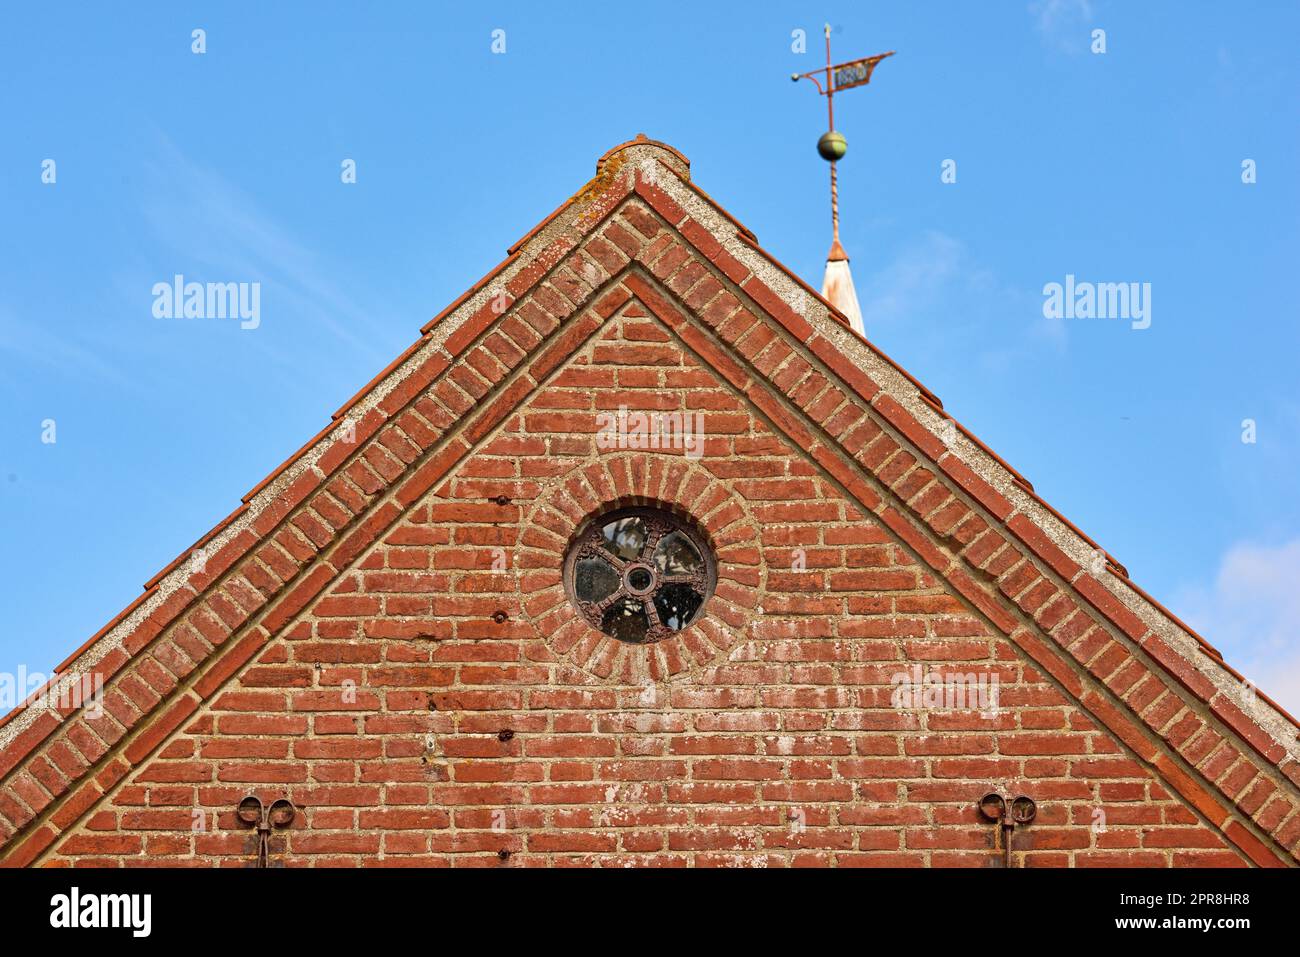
{"x":830,"y":126}
{"x":830,"y":89}
{"x":832,"y":146}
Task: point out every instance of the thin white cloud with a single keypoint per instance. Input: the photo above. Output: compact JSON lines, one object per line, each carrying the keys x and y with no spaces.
{"x":1063,"y":23}
{"x":32,"y":342}
{"x":205,"y":218}
{"x":1251,"y":612}
{"x":915,"y":279}
{"x":934,"y":277}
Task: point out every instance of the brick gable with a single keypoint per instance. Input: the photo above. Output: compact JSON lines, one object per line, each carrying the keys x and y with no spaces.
{"x":780,"y":704}
{"x":363,"y":561}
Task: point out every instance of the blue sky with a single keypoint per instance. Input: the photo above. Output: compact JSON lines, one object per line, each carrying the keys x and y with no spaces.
{"x":1115,"y":167}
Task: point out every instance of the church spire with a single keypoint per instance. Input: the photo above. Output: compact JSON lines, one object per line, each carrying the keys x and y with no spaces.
{"x":837,"y":284}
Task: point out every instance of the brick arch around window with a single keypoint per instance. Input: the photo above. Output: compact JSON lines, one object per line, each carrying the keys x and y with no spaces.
{"x":675,"y":484}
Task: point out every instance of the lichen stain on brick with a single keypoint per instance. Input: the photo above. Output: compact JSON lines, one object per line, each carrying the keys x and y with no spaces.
{"x":602,"y":181}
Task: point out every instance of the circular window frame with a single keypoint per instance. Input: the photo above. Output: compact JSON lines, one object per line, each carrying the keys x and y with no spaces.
{"x":659,"y":523}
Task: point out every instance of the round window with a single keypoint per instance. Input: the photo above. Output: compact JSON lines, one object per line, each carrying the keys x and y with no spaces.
{"x":639,"y":574}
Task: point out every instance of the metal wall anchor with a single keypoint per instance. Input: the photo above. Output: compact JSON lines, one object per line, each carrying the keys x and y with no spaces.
{"x":252,"y":812}
{"x":994,"y":807}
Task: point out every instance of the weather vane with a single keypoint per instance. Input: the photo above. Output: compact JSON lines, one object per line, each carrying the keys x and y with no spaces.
{"x":832,"y":146}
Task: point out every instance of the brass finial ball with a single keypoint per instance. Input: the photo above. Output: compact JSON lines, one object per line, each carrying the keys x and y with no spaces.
{"x":832,"y":146}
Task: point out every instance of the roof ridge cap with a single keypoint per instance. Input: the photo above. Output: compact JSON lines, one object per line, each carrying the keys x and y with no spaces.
{"x":677,"y":160}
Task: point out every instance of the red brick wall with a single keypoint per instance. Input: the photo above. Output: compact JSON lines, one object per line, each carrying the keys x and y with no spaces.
{"x":411,"y":728}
